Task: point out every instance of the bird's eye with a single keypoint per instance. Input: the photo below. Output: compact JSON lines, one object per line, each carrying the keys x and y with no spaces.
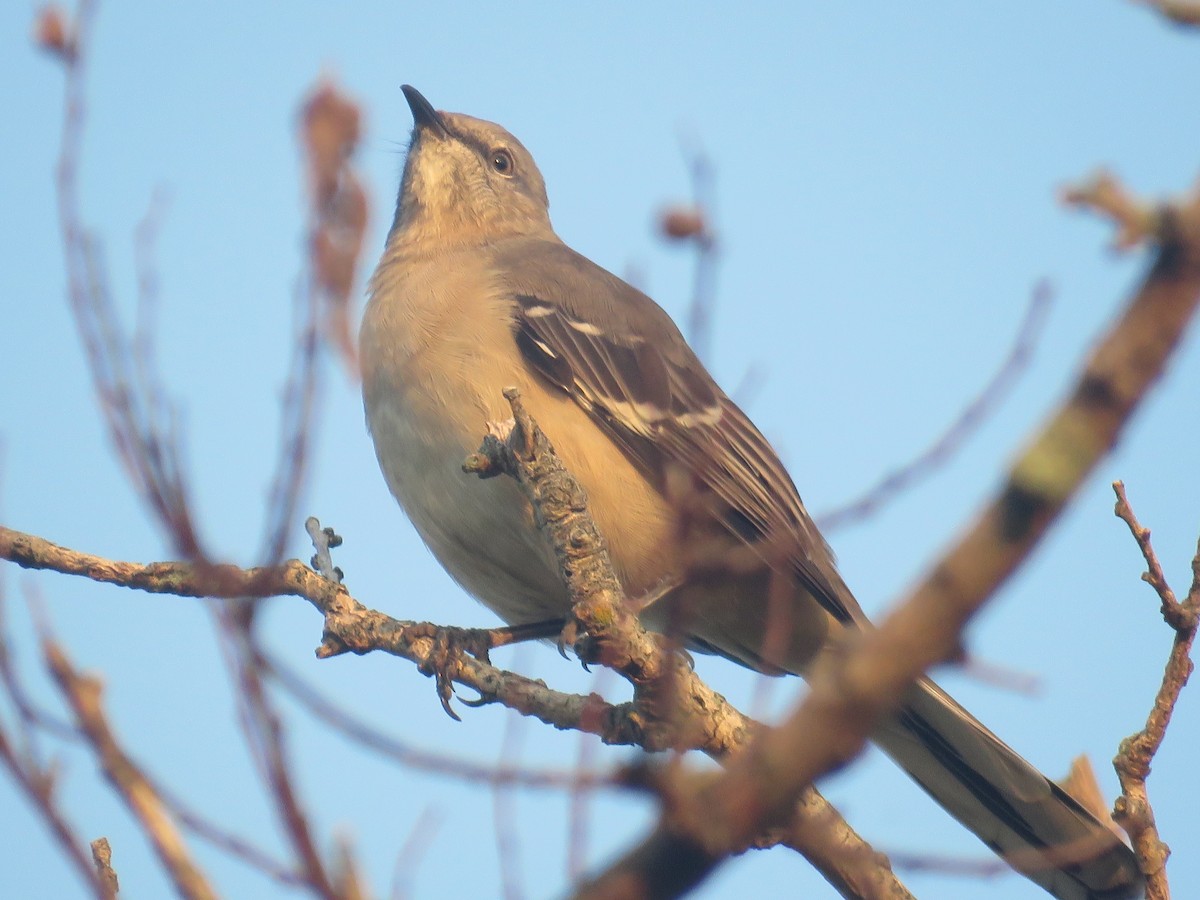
{"x":502,"y":161}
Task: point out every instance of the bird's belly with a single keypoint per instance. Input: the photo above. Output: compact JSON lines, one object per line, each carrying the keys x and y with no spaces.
{"x":481,"y":531}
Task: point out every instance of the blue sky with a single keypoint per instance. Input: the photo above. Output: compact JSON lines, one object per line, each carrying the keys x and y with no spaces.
{"x":886,"y":178}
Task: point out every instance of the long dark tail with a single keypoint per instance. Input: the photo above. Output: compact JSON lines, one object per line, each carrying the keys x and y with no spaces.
{"x":1034,"y":824}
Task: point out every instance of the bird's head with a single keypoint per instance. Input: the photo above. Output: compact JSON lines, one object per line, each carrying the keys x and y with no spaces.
{"x":466,"y":182}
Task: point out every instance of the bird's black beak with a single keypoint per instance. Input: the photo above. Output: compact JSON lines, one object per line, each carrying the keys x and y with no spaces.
{"x":425,"y":116}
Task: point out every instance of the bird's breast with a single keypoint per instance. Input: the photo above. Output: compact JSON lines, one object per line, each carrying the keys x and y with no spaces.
{"x":433,"y":376}
{"x":437,"y":355}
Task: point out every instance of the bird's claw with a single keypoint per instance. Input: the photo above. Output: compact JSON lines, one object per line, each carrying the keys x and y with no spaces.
{"x":567,"y":637}
{"x":573,"y":636}
{"x":448,"y":645}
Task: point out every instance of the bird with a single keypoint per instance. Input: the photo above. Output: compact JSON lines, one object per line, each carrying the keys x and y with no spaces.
{"x":475,"y":293}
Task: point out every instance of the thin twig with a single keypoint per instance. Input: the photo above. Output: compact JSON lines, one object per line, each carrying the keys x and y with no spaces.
{"x":102,"y":857}
{"x":1181,"y":12}
{"x":850,"y":691}
{"x":947,"y":444}
{"x":1175,"y":613}
{"x":238,"y":847}
{"x":504,"y":812}
{"x":678,"y":710}
{"x":83,"y":695}
{"x":32,"y":716}
{"x":20,"y":754}
{"x":458,"y":768}
{"x":38,"y":783}
{"x":140,"y":423}
{"x":419,"y":839}
{"x":1133,"y":810}
{"x":266,"y":739}
{"x":581,"y":796}
{"x":350,"y":627}
{"x":1136,"y":222}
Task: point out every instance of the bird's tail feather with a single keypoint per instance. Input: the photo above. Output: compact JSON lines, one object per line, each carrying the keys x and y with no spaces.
{"x":1029,"y":820}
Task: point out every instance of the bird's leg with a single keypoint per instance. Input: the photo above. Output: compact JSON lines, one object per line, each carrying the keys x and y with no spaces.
{"x":448,"y":645}
{"x":529,"y":631}
{"x":657,"y":592}
{"x":450,"y":642}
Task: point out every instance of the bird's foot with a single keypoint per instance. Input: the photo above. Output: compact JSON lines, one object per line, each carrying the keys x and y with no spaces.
{"x":449,"y":645}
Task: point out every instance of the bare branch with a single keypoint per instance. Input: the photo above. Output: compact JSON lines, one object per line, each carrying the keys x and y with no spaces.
{"x":830,"y":844}
{"x":226,"y":841}
{"x":332,"y":126}
{"x":349,"y":627}
{"x":140,"y":423}
{"x":297,"y":426}
{"x":347,"y":878}
{"x":102,"y":857}
{"x":1181,"y":12}
{"x":410,"y":854}
{"x":851,"y":690}
{"x":504,"y":812}
{"x":1133,"y":810}
{"x":578,"y":814}
{"x":83,"y":695}
{"x":338,"y":219}
{"x":35,"y":719}
{"x":682,"y":711}
{"x":1136,"y":222}
{"x":1175,"y":613}
{"x":266,"y":739}
{"x":183,"y":579}
{"x":324,"y":540}
{"x":968,"y":421}
{"x":412,"y":757}
{"x":693,"y":223}
{"x":38,"y":781}
{"x":662,"y":680}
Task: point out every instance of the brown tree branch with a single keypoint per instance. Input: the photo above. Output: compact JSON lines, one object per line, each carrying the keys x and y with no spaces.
{"x":692,"y":223}
{"x":338,"y":216}
{"x":818,"y":831}
{"x":1133,"y":810}
{"x":404,"y":754}
{"x":340,"y":209}
{"x":38,"y":782}
{"x":102,"y":857}
{"x":682,"y":710}
{"x":349,"y":627}
{"x":1136,"y":221}
{"x":266,"y":739}
{"x":853,"y":689}
{"x":665,"y":687}
{"x":968,"y":421}
{"x":83,"y":695}
{"x":227,"y":841}
{"x":140,"y":422}
{"x":1181,"y":12}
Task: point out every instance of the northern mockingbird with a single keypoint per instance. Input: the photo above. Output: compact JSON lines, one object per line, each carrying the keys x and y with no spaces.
{"x":474,"y":293}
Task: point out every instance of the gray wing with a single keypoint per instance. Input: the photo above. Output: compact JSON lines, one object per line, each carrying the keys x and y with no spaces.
{"x":621,"y":358}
